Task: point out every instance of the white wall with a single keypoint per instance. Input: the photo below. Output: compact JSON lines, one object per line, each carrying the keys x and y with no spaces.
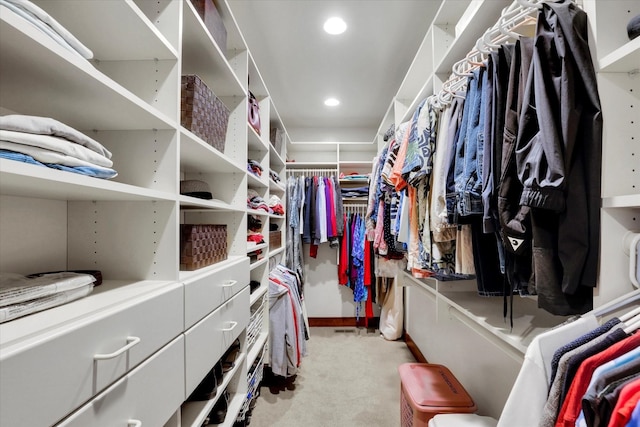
{"x":324,"y":297}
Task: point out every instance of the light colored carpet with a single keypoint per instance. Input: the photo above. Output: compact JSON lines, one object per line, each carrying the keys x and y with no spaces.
{"x":349,"y":379}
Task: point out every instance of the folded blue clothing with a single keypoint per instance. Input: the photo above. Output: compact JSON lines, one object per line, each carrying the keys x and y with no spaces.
{"x":94,"y":171}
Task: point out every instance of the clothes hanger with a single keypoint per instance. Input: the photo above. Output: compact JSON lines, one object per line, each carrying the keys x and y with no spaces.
{"x":458,"y":72}
{"x":627,"y":317}
{"x":632,"y":327}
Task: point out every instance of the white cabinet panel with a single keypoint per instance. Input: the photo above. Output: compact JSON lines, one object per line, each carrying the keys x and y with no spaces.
{"x":146,"y":397}
{"x":205,"y":293}
{"x":207,"y":341}
{"x":44,"y":380}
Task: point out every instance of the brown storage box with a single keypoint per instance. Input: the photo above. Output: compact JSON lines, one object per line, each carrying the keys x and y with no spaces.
{"x":275,"y":239}
{"x":213,"y":21}
{"x":202,"y":245}
{"x":427,"y":390}
{"x":202,"y":112}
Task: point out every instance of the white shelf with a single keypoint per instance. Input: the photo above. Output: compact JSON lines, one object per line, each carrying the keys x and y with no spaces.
{"x":67,"y":77}
{"x":234,"y":409}
{"x":355,"y":164}
{"x":276,"y":160}
{"x":257,"y":181}
{"x":275,"y":187}
{"x":251,"y":248}
{"x":194,"y":203}
{"x":627,"y":201}
{"x":256,"y":143}
{"x":196,"y":156}
{"x":276,"y":251}
{"x":26,"y":180}
{"x":354,"y":181}
{"x":486,"y":313}
{"x":312,"y":165}
{"x":258,"y":293}
{"x":89,"y":22}
{"x":258,"y":263}
{"x":623,"y":60}
{"x":258,"y":212}
{"x":202,"y":56}
{"x":194,"y":413}
{"x":482,"y":15}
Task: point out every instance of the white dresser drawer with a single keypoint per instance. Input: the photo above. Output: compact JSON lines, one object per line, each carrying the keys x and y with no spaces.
{"x":205,"y":293}
{"x":46,"y":377}
{"x":207,"y":341}
{"x":146,"y":397}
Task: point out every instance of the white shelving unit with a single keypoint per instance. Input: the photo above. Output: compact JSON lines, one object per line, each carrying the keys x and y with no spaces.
{"x":448,"y":320}
{"x":167,"y":327}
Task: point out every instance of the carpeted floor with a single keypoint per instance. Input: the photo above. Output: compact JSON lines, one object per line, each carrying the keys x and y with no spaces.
{"x":349,"y":379}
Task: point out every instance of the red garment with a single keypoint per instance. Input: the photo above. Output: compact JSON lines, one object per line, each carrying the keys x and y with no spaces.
{"x":627,"y":401}
{"x":573,"y":401}
{"x":313,"y":251}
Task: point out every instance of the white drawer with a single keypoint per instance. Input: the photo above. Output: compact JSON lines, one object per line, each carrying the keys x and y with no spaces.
{"x":207,"y":341}
{"x":53,"y":374}
{"x":205,"y":293}
{"x":146,"y":396}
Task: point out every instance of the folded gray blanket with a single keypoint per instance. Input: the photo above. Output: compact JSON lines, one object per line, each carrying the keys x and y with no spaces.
{"x":48,"y":126}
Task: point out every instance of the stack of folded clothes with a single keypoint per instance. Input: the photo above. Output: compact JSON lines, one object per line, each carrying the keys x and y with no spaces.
{"x":254,"y":167}
{"x":274,"y":176}
{"x":44,"y":22}
{"x":254,"y":201}
{"x":275,"y":204}
{"x":47,"y":142}
{"x":355,"y":192}
{"x":21,"y":295}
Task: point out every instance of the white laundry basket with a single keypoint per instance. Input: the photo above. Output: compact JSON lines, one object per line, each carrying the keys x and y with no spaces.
{"x":462,"y":420}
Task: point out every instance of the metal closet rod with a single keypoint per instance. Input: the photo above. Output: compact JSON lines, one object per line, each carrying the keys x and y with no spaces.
{"x":313,"y":172}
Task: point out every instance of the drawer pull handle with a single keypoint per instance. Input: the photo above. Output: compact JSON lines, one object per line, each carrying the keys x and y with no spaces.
{"x":230,"y":328}
{"x":229,"y":283}
{"x":131,"y":341}
{"x":134,"y":423}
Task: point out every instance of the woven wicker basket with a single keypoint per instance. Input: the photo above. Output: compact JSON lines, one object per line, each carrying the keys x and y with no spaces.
{"x":275,"y":239}
{"x":202,"y":112}
{"x":202,"y":245}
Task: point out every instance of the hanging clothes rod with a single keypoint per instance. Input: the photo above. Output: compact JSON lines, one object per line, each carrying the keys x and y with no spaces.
{"x":358,"y":208}
{"x":313,"y":172}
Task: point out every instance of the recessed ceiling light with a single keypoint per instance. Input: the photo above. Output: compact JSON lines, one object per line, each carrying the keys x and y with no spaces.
{"x":335,"y":25}
{"x":331,"y":102}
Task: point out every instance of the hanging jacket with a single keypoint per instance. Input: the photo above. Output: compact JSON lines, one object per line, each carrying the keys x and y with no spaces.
{"x":559,"y":156}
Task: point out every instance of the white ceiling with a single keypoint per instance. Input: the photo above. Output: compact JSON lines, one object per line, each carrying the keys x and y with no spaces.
{"x":302,"y":65}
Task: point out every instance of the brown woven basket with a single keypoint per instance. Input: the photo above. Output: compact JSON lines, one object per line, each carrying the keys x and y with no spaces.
{"x":275,"y":239}
{"x":202,"y":245}
{"x":202,"y":112}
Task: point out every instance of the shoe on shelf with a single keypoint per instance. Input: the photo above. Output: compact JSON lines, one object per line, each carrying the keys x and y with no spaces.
{"x":219,"y":411}
{"x":229,"y":358}
{"x":207,"y":388}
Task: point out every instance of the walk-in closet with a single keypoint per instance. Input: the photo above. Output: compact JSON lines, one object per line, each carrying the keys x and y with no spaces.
{"x":190,"y":237}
